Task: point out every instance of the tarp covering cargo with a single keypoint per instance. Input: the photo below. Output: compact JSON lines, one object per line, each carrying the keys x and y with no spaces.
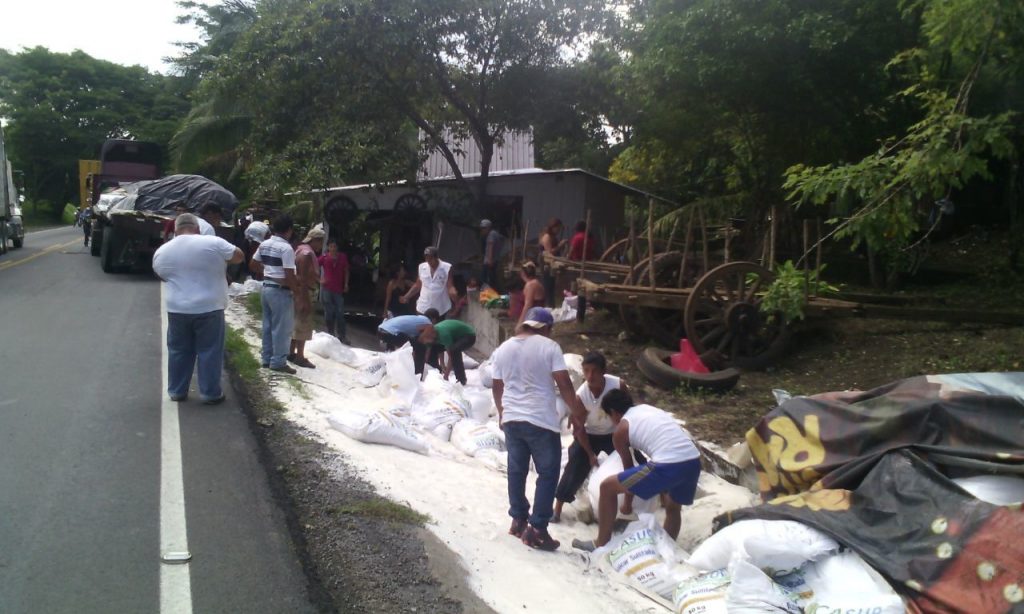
{"x":189,"y":191}
{"x":873,"y":470}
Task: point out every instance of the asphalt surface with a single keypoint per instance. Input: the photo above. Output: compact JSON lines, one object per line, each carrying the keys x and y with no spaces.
{"x":80,"y":454}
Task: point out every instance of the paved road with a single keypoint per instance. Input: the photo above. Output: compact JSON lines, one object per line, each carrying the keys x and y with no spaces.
{"x":82,"y":504}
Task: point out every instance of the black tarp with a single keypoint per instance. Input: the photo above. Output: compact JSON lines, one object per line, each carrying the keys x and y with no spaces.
{"x":873,"y":470}
{"x":190,"y":191}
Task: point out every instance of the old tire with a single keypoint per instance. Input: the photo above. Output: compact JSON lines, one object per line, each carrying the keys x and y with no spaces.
{"x":108,"y":251}
{"x":95,"y":241}
{"x":653,"y":362}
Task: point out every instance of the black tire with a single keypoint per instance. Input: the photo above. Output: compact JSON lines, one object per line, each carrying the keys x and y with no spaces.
{"x":18,"y":243}
{"x":108,"y":251}
{"x":653,"y":363}
{"x":95,"y":240}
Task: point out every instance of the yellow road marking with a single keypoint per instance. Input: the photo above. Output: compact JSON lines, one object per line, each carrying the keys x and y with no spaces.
{"x":49,"y":250}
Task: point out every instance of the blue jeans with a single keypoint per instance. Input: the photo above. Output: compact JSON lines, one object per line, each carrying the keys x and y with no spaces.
{"x":192,"y":337}
{"x":278,"y":322}
{"x":524,"y":440}
{"x":334,"y":312}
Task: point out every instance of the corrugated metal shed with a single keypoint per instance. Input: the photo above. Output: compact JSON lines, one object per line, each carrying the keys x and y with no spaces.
{"x":515,"y":151}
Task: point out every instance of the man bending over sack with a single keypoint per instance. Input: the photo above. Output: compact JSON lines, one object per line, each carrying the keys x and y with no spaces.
{"x":592,"y":428}
{"x":450,"y":338}
{"x":417,"y":330}
{"x":672,"y":470}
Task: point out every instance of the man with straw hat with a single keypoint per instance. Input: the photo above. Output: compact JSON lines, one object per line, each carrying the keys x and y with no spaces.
{"x":307,"y":273}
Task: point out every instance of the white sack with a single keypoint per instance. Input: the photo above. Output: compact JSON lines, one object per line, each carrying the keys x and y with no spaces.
{"x":714,"y":497}
{"x":481,"y":403}
{"x":236,"y":289}
{"x":574,"y":362}
{"x":565,"y":313}
{"x":469,"y":362}
{"x":373,"y":426}
{"x":328,"y":346}
{"x":646,"y":555}
{"x":486,"y":376}
{"x":611,"y":466}
{"x":402,"y":373}
{"x":994,"y":489}
{"x":752,"y":591}
{"x":704,"y":594}
{"x":438,"y":405}
{"x":775,"y":546}
{"x":372,"y":372}
{"x":845,"y":583}
{"x":471,"y":438}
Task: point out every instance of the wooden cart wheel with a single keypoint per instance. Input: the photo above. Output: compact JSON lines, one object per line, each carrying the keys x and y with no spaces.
{"x":618,"y":252}
{"x":663,"y":325}
{"x":723,"y":316}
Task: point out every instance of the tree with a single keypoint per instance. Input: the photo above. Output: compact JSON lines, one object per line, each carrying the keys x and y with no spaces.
{"x":884,"y":199}
{"x":61,"y":107}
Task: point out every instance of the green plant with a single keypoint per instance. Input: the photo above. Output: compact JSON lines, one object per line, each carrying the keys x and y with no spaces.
{"x":254,"y":305}
{"x":240,"y":356}
{"x":788,"y":294}
{"x":382,"y":509}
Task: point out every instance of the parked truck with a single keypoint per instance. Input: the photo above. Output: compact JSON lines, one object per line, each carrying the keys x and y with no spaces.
{"x":12,"y":227}
{"x":122,"y":163}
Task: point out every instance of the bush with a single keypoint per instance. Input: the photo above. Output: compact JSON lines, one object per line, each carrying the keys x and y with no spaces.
{"x":68,"y":215}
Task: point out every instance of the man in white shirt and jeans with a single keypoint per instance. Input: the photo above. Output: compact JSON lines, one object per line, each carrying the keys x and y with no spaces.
{"x":193,"y":267}
{"x":523,"y":369}
{"x":275,"y":260}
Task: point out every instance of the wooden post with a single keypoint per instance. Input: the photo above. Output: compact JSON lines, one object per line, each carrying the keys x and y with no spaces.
{"x":771,"y":245}
{"x":817,"y":260}
{"x":586,"y":235}
{"x":807,"y":261}
{"x":704,"y":239}
{"x":631,"y":247}
{"x":728,"y":241}
{"x":526,"y":238}
{"x":672,"y":235}
{"x":686,"y":250}
{"x":650,"y":242}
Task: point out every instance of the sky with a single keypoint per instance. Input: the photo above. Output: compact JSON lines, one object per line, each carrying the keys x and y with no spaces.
{"x":125,"y":32}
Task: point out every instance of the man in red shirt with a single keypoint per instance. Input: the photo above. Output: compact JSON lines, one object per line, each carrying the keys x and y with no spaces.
{"x":334,"y":272}
{"x":578,"y":239}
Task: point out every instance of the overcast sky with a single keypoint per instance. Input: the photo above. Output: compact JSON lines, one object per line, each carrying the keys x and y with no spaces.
{"x":123,"y":31}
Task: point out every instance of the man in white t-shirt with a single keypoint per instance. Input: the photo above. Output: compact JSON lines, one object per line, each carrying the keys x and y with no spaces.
{"x":592,"y":428}
{"x":434,"y":285}
{"x":275,"y":261}
{"x":193,"y":267}
{"x":672,"y":469}
{"x":523,"y":368}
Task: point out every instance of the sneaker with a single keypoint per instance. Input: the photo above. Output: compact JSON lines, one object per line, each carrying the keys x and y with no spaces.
{"x":584,"y":545}
{"x":302,"y":361}
{"x":215,"y":401}
{"x":539,"y":539}
{"x":517,"y":528}
{"x":284,"y":369}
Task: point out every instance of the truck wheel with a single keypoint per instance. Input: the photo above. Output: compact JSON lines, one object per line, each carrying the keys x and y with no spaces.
{"x":95,"y":240}
{"x":19,"y":242}
{"x":108,"y":251}
{"x":3,"y":237}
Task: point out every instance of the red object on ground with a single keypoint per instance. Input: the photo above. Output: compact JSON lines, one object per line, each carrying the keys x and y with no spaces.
{"x":687,"y":359}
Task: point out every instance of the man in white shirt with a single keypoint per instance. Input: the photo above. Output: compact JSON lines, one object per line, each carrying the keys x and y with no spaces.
{"x":523,"y":368}
{"x":275,"y":261}
{"x":434,"y":285}
{"x":193,"y":267}
{"x":672,"y":470}
{"x":210,"y":217}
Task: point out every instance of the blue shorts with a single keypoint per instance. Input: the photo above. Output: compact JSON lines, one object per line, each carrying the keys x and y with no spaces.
{"x":679,"y":480}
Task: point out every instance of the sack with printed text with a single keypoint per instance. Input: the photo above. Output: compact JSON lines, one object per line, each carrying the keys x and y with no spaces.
{"x":647,"y":556}
{"x":374,"y":426}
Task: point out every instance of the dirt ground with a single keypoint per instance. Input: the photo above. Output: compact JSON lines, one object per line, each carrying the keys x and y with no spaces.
{"x":846,"y":354}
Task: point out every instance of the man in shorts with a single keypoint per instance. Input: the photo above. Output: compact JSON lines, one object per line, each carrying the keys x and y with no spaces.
{"x":307,"y":273}
{"x":671,"y":472}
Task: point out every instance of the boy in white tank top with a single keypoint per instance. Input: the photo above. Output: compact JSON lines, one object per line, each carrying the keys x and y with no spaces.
{"x":592,"y":428}
{"x":671,"y":472}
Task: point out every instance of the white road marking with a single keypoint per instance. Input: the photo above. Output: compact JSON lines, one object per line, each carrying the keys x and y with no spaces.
{"x":175,"y":575}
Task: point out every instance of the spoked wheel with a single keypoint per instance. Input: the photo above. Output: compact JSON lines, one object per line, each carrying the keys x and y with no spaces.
{"x":618,"y":252}
{"x":663,"y":325}
{"x":723,"y":316}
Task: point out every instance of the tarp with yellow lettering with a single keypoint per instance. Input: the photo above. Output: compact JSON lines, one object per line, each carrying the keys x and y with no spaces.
{"x":873,"y":470}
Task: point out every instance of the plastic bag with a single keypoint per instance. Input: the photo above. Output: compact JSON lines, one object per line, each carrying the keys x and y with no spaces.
{"x":752,"y":591}
{"x":704,"y":594}
{"x":994,"y":489}
{"x":328,"y":346}
{"x":373,"y":426}
{"x":612,"y":465}
{"x":471,"y":438}
{"x":845,"y":583}
{"x":687,"y":359}
{"x":646,"y":555}
{"x":775,"y":546}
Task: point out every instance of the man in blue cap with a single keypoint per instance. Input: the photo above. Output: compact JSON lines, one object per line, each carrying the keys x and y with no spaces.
{"x":523,"y":368}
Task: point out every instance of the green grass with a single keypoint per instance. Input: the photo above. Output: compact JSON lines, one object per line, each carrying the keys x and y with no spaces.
{"x":240,"y":356}
{"x":253,"y":304}
{"x":296,"y":384}
{"x":382,"y":509}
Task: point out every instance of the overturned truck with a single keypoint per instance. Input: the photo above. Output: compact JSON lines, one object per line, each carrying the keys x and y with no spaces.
{"x":129,"y":222}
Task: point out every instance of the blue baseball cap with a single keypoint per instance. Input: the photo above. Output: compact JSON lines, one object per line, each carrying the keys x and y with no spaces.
{"x":538,"y":317}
